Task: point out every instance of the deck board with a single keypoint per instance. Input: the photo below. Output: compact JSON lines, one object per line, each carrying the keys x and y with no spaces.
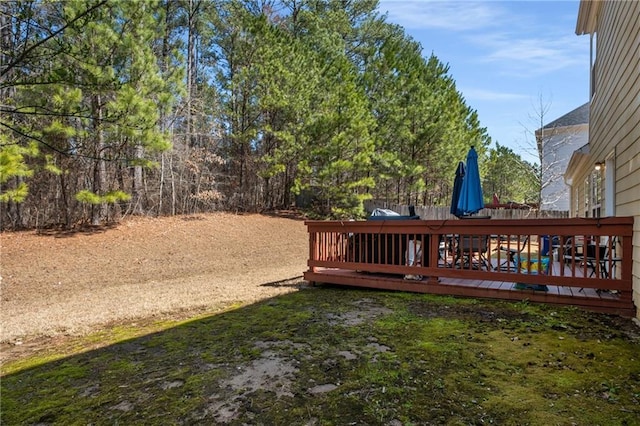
{"x":587,"y":298}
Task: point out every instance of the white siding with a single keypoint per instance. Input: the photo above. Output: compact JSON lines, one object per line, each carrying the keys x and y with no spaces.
{"x":557,"y":152}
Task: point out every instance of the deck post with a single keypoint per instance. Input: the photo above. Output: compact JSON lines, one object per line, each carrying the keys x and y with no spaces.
{"x":313,"y":248}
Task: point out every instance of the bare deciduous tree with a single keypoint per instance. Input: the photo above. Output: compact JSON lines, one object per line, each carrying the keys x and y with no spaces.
{"x":552,"y":144}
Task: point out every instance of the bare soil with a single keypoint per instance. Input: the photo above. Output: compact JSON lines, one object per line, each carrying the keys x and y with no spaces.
{"x":58,"y":284}
{"x":313,"y":357}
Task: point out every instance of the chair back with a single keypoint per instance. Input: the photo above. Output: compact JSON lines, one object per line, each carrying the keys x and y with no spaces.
{"x":473,"y":243}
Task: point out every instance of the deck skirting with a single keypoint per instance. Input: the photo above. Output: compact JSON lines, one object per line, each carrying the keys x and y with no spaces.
{"x":586,"y":298}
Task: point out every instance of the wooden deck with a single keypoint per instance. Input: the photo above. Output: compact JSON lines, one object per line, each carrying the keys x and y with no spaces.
{"x":375,"y":255}
{"x":588,"y":298}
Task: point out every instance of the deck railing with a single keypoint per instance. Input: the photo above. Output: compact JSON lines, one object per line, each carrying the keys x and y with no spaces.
{"x":585,"y":253}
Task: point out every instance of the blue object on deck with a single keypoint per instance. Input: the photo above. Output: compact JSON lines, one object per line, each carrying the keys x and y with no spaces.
{"x":457,"y":187}
{"x":545,"y":245}
{"x":471,"y":201}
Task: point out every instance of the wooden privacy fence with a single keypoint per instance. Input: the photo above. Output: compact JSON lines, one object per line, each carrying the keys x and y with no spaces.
{"x":442,"y":213}
{"x":580,"y":261}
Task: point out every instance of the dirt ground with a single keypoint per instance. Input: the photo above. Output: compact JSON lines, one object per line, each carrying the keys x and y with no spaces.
{"x":57,"y":284}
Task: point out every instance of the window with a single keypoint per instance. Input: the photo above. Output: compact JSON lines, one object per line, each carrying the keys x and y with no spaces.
{"x":594,"y":64}
{"x":609,"y":186}
{"x":592,"y":195}
{"x":586,"y":193}
{"x":595,"y":194}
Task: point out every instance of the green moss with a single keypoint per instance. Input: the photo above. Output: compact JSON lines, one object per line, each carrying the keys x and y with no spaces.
{"x":414,"y":359}
{"x":30,"y":362}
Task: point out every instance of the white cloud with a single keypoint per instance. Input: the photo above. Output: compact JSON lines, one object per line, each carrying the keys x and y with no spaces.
{"x":528,"y":56}
{"x":513,"y":40}
{"x":490,"y":95}
{"x":446,"y":15}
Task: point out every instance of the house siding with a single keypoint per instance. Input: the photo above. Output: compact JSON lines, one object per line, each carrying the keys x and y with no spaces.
{"x":557,"y":151}
{"x":560,"y":139}
{"x":615,"y":110}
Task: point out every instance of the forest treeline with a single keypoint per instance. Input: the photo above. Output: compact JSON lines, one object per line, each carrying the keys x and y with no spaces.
{"x":164,"y":107}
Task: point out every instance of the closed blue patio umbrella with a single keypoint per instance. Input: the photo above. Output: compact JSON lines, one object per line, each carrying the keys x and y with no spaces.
{"x":457,"y":186}
{"x":470,"y":200}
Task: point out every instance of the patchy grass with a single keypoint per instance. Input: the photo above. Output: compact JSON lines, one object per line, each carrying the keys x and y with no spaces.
{"x":338,"y":356}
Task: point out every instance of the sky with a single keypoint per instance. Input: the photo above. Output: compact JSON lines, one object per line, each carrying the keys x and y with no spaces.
{"x":507,"y":58}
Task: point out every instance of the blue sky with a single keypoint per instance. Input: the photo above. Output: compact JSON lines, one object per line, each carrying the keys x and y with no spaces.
{"x":505,"y":56}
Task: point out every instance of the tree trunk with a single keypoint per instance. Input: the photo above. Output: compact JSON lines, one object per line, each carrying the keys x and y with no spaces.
{"x":161,"y":184}
{"x":99,"y":211}
{"x":138,"y":190}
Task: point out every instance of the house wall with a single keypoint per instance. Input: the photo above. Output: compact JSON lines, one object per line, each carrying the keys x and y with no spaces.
{"x":558,"y":148}
{"x":582,"y":193}
{"x":577,"y":199}
{"x":615,"y":111}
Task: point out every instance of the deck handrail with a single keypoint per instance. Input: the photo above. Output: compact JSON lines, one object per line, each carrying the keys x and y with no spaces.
{"x":380,"y":246}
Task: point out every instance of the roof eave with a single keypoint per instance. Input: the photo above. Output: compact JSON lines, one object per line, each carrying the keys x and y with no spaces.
{"x":588,"y":16}
{"x":577,"y":162}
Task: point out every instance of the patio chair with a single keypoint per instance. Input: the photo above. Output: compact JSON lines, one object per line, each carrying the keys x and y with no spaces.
{"x":572,"y":252}
{"x":576,"y":251}
{"x":512,"y":255}
{"x":471,"y":252}
{"x":605,"y":261}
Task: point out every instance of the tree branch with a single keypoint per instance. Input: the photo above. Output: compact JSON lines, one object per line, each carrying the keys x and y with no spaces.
{"x":22,"y":56}
{"x":53,"y":148}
